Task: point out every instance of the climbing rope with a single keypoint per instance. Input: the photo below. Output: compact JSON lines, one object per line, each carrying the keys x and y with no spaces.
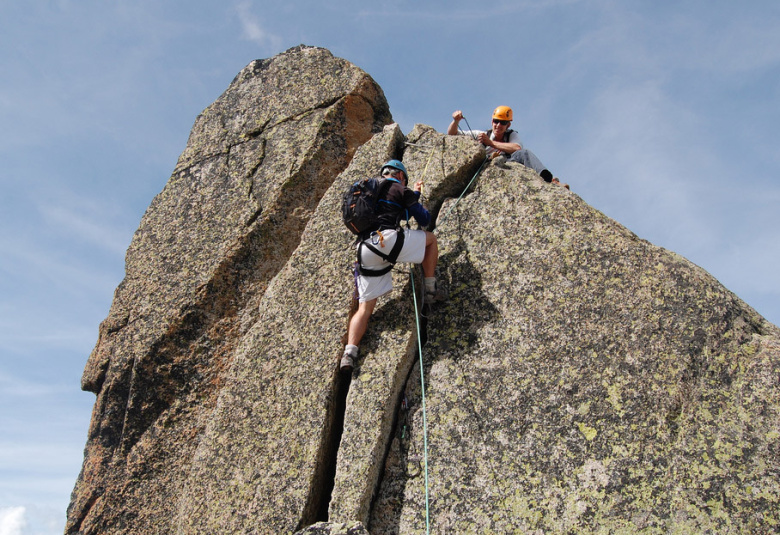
{"x":425,"y":170}
{"x":441,"y":221}
{"x":469,"y":130}
{"x":425,"y":422}
{"x":420,"y":350}
{"x":422,"y":180}
{"x":417,"y":316}
{"x":422,"y":375}
{"x":429,"y":148}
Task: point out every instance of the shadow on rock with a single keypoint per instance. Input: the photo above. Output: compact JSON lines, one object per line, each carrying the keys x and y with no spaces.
{"x":451,"y":333}
{"x":446,"y":333}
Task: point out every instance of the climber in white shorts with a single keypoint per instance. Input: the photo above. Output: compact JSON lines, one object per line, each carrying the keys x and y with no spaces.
{"x":412,"y":252}
{"x":379,"y":252}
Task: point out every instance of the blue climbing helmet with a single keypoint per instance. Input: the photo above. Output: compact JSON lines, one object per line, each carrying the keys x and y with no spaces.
{"x":395,"y":164}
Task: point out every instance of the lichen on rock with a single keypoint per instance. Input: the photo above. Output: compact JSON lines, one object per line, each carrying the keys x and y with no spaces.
{"x":257,"y":162}
{"x":578,"y":379}
{"x":582,"y":379}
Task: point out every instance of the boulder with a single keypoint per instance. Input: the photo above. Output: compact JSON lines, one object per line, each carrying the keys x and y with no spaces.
{"x":266,"y":450}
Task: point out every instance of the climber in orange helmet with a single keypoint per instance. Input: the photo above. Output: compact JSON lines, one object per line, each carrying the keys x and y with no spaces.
{"x":502,"y":141}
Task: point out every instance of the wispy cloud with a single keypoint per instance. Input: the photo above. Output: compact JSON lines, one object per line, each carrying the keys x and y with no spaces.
{"x":746,"y":40}
{"x":647,"y":147}
{"x":446,"y":10}
{"x":254,"y":29}
{"x":61,"y":243}
{"x":12,"y":520}
{"x":87,"y":220}
{"x":31,"y":519}
{"x":43,"y":459}
{"x":54,"y":268}
{"x":12,"y":386}
{"x":21,"y":332}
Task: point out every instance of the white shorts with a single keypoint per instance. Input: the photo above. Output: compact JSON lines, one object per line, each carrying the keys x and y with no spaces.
{"x":412,"y":252}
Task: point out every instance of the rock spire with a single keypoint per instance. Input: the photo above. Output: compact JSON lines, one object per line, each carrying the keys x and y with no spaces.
{"x":579,"y":379}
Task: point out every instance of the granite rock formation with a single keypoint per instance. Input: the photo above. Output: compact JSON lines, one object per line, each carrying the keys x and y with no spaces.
{"x":257,"y":162}
{"x":579,"y":379}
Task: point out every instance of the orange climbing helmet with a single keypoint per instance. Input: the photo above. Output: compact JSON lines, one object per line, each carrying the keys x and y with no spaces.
{"x":503,"y":113}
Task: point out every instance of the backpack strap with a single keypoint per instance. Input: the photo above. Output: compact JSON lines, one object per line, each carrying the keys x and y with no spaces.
{"x":505,"y":140}
{"x":382,"y":198}
{"x":391,"y":257}
{"x":506,"y":134}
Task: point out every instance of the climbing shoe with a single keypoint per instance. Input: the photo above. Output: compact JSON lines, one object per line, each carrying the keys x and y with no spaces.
{"x":347,"y":363}
{"x":438,"y":295}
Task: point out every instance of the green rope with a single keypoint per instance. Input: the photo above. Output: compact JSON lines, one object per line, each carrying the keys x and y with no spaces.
{"x":425,"y":422}
{"x":419,"y":346}
{"x":441,"y":220}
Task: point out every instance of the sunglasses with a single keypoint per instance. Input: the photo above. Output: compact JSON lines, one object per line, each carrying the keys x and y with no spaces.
{"x":498,"y":121}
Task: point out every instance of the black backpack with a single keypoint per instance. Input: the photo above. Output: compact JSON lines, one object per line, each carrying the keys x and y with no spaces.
{"x":359,"y":205}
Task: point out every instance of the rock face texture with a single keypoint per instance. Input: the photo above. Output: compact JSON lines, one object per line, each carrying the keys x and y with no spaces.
{"x":255,"y":167}
{"x":582,"y":380}
{"x":579,"y":379}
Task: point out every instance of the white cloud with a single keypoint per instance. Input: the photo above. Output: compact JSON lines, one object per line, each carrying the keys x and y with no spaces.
{"x":253,"y":28}
{"x":32,"y":519}
{"x":14,"y":386}
{"x":12,"y":520}
{"x":39,"y":267}
{"x":87,"y":222}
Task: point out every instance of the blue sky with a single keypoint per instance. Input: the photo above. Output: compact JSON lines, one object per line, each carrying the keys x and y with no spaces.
{"x":663,"y":115}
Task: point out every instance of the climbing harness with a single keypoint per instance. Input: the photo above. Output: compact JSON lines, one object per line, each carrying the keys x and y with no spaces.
{"x":371,"y":239}
{"x":377,"y":238}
